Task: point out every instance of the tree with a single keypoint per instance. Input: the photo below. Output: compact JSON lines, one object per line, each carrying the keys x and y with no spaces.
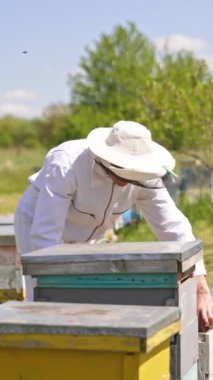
{"x":113,"y":74}
{"x":53,"y":127}
{"x":180,"y":104}
{"x":17,"y":132}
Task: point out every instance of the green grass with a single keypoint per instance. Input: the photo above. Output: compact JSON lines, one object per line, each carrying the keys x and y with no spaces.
{"x":8,"y":203}
{"x":203,"y":231}
{"x":15,"y":167}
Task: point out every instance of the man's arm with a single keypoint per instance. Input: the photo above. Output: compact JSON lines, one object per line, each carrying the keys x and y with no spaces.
{"x":56,"y":189}
{"x":204,"y":304}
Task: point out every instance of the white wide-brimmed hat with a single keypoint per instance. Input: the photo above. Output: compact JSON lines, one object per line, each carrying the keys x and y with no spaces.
{"x":127,"y":149}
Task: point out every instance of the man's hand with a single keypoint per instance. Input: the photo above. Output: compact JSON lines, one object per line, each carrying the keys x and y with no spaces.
{"x":204,"y":304}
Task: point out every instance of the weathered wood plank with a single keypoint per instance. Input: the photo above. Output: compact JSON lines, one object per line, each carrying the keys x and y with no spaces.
{"x":190,"y":262}
{"x":8,"y":255}
{"x":85,"y":319}
{"x":7,"y":235}
{"x":10,"y":277}
{"x":187,"y":342}
{"x":187,"y":301}
{"x":70,"y":342}
{"x":206,"y":355}
{"x":93,"y":267}
{"x":157,"y":297}
{"x":115,"y":257}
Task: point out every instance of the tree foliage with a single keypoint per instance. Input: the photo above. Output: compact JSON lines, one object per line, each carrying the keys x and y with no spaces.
{"x":114,"y":73}
{"x":17,"y":132}
{"x":181,"y":108}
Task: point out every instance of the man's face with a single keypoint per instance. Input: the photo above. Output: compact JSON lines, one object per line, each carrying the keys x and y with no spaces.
{"x":119,"y":181}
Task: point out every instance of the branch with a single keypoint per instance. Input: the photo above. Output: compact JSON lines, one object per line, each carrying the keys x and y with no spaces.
{"x":198,"y":157}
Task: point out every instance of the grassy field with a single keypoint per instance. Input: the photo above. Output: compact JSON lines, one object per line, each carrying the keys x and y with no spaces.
{"x":17,"y":165}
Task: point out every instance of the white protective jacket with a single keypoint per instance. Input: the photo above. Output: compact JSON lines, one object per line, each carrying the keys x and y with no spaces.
{"x":71,"y":199}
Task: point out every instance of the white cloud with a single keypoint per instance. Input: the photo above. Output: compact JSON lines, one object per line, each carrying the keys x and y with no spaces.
{"x":176,"y":42}
{"x":19,"y":110}
{"x":20,"y":103}
{"x":208,"y":56}
{"x":20,"y":95}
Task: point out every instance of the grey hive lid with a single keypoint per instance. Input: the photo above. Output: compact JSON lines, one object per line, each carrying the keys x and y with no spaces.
{"x":84,"y":319}
{"x":109,"y":258}
{"x":167,"y":250}
{"x":7,"y":219}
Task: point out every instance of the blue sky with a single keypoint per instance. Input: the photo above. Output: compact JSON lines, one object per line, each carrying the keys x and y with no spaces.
{"x":56,"y":32}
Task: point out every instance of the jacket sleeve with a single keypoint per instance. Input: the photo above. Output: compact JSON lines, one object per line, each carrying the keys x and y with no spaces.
{"x":56,"y":188}
{"x":165,"y":219}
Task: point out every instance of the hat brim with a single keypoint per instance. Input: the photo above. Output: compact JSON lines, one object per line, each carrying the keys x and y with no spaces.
{"x":134,"y":167}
